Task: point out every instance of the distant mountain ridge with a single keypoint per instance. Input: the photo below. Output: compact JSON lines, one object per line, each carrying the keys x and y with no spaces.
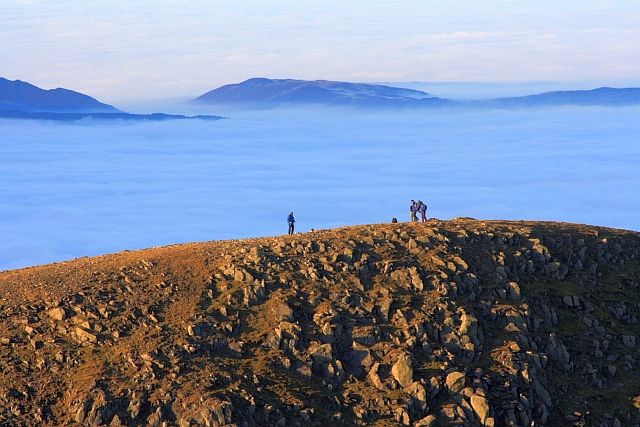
{"x":16,"y":95}
{"x":19,"y":99}
{"x":604,"y":96}
{"x":324,"y":92}
{"x":282,"y":92}
{"x":22,"y":100}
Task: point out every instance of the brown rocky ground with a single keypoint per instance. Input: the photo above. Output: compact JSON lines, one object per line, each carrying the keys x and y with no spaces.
{"x":458,"y":322}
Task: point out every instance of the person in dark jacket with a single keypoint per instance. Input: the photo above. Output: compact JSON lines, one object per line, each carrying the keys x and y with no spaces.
{"x":291,"y":220}
{"x":422,"y":208}
{"x":413,"y":211}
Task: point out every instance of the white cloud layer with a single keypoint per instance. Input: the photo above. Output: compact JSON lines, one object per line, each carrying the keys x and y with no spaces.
{"x":70,"y":190}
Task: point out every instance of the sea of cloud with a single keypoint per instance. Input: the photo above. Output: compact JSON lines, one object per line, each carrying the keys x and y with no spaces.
{"x":87,"y":188}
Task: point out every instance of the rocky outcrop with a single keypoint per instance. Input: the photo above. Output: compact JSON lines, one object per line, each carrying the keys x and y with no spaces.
{"x":458,"y":322}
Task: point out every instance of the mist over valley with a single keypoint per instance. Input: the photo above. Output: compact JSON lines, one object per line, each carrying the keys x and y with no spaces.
{"x":92,"y":187}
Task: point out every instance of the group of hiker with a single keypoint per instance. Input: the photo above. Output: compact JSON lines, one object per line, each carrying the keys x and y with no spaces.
{"x":416,"y":208}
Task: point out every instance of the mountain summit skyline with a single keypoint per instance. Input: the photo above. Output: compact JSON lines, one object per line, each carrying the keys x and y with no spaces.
{"x":17,"y":95}
{"x":287,"y":92}
{"x":294,"y":91}
{"x":22,"y":100}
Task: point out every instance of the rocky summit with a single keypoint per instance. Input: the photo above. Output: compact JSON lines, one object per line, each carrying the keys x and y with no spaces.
{"x":460,"y":322}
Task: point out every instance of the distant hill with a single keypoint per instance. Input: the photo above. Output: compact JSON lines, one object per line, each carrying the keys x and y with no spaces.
{"x":279,"y":92}
{"x":288,"y":91}
{"x":22,"y":100}
{"x":16,"y":95}
{"x":604,"y":96}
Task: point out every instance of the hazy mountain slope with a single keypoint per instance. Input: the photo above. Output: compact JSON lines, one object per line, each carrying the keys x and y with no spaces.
{"x":289,"y":91}
{"x":17,"y":95}
{"x":282,"y":92}
{"x":604,"y":96}
{"x":21,"y":100}
{"x":445,"y":323}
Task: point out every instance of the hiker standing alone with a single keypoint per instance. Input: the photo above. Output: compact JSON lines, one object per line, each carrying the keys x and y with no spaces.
{"x":291,"y":220}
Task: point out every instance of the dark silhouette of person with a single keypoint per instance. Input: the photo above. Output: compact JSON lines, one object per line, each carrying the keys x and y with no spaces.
{"x":422,"y":207}
{"x":291,"y":220}
{"x":413,"y":210}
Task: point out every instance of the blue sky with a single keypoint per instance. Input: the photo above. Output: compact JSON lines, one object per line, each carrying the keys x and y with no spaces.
{"x":119,"y":50}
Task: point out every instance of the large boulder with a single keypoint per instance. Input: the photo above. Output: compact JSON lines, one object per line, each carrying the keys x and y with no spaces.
{"x":480,"y":406}
{"x":402,"y":371}
{"x":455,"y":381}
{"x":57,"y":313}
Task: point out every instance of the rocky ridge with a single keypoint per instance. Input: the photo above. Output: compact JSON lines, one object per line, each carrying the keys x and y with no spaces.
{"x":459,"y":322}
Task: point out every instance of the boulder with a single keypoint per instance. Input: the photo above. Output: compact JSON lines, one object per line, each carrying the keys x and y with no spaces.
{"x":419,"y":397}
{"x":468,"y":325}
{"x":514,"y":291}
{"x":455,"y":381}
{"x":401,"y":416}
{"x":57,"y":313}
{"x":374,"y":377}
{"x":428,"y":421}
{"x":402,"y":371}
{"x":281,"y":311}
{"x":461,"y":264}
{"x":480,"y":406}
{"x":85,"y":336}
{"x":322,"y":354}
